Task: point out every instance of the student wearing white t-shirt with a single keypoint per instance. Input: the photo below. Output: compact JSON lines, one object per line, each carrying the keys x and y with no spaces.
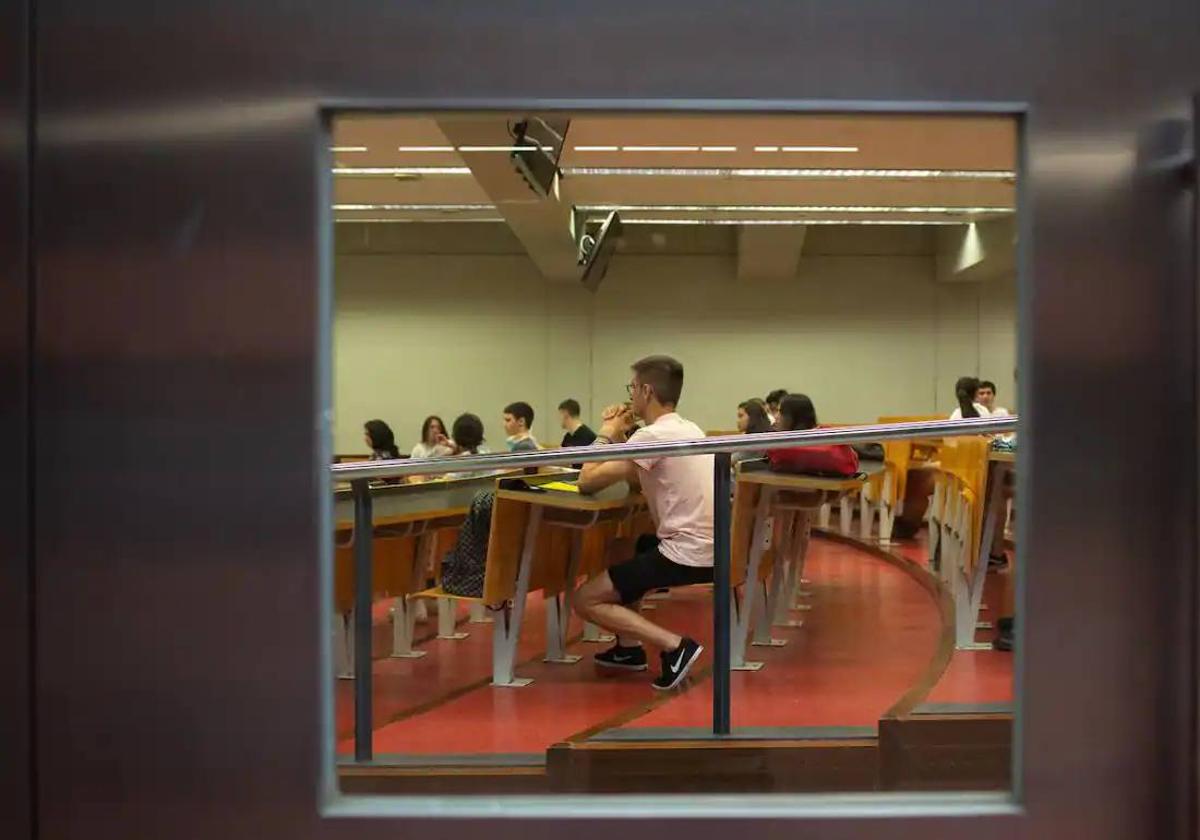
{"x":679,"y":493}
{"x":986,"y":397}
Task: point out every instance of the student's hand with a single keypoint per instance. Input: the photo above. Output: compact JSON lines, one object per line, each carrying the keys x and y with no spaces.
{"x":612,"y":412}
{"x":617,"y":418}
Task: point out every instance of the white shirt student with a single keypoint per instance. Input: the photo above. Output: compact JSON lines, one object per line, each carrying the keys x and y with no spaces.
{"x":986,"y":396}
{"x":679,"y":493}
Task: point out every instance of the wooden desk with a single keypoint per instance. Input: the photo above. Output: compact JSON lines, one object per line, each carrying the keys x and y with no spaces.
{"x":414,"y":525}
{"x":533,"y":526}
{"x":770,"y":533}
{"x":399,"y":499}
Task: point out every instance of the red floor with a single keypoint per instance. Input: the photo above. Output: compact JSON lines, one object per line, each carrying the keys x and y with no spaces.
{"x":974,"y":676}
{"x":868,"y":637}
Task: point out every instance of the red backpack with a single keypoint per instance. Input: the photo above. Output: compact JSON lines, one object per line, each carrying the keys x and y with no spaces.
{"x":838,"y":459}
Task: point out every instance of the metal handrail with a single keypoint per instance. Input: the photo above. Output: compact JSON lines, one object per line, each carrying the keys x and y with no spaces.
{"x":361,"y":473}
{"x":375,"y":470}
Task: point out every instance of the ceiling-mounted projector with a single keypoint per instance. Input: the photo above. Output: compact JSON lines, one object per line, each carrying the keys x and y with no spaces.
{"x":537,"y":145}
{"x":597,"y":243}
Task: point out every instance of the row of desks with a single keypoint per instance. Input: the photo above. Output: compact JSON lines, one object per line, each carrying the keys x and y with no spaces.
{"x":547,"y":540}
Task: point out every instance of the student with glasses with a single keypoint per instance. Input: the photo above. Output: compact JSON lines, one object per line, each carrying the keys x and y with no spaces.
{"x":679,"y":493}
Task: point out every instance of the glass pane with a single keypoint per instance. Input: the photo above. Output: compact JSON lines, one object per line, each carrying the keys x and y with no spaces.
{"x":513,"y":282}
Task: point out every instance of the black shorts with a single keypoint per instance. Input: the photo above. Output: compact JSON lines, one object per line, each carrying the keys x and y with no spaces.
{"x":649,"y":570}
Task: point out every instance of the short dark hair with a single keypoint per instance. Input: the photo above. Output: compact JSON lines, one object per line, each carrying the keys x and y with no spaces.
{"x":989,"y":385}
{"x":797,"y":413}
{"x":468,"y":432}
{"x":570,"y":406}
{"x":663,"y":374}
{"x":522,"y":411}
{"x":776,"y":396}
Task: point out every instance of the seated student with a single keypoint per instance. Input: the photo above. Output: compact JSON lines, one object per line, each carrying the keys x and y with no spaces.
{"x":966,"y":391}
{"x":679,"y":493}
{"x":797,"y":413}
{"x":577,"y":433}
{"x":433,"y":437}
{"x":467,"y":439}
{"x":751,"y":420}
{"x":518,"y":420}
{"x":772,"y":401}
{"x":986,"y":397}
{"x":379,"y":438}
{"x":464,"y":566}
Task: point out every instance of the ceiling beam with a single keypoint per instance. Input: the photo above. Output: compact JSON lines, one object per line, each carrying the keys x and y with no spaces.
{"x":543,"y":225}
{"x":769,"y":252}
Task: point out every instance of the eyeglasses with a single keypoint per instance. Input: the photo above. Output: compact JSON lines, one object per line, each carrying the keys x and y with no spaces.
{"x":629,"y":388}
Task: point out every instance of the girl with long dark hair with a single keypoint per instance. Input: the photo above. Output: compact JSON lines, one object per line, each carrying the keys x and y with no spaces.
{"x":378,"y":436}
{"x":965,"y":390}
{"x":434,"y":439}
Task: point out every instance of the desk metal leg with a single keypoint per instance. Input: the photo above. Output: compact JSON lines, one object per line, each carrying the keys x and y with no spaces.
{"x":743,"y":613}
{"x":594,"y":634}
{"x":558,"y":609}
{"x":847,"y":515}
{"x":404,"y":622}
{"x":792,"y":591}
{"x":448,"y":620}
{"x":933,"y":520}
{"x":782,"y":580}
{"x":478,"y":614}
{"x":506,"y":632}
{"x":406,"y":612}
{"x":865,"y":515}
{"x":885,"y":509}
{"x":966,"y":615}
{"x":825,"y":515}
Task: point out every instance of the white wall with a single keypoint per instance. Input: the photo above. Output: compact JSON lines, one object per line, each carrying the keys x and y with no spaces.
{"x":419,"y":335}
{"x":862,"y":335}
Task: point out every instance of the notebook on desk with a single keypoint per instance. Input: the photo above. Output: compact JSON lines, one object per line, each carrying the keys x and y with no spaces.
{"x":549,"y":486}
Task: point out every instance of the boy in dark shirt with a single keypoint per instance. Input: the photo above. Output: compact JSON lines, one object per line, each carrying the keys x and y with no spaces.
{"x":577,"y":434}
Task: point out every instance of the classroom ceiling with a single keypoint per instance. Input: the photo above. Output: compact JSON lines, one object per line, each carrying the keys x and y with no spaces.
{"x":749,"y":171}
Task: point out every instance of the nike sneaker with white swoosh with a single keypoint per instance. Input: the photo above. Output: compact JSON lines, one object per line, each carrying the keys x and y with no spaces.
{"x":675,"y":663}
{"x":631,"y":658}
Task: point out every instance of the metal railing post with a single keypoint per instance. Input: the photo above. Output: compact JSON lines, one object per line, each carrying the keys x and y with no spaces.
{"x":364,"y":533}
{"x":722,"y":590}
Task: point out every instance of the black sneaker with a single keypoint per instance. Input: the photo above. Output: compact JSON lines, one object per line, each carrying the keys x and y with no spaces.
{"x":675,"y":664}
{"x":997,"y":562}
{"x":622,"y":658}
